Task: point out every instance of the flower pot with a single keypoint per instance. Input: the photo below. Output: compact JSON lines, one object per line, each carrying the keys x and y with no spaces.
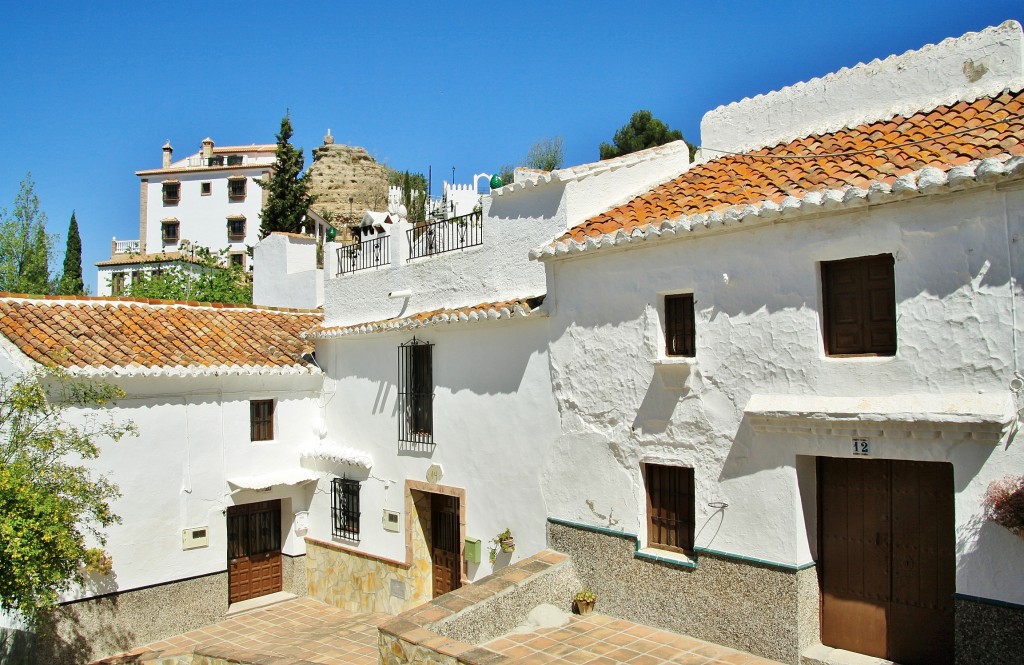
{"x":507,"y":544}
{"x":584,"y":606}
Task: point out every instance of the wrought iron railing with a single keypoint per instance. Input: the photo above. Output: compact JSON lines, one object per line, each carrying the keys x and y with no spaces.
{"x":362,"y":255}
{"x":447,"y":235}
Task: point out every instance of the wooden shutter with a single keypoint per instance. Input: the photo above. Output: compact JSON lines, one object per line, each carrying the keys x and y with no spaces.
{"x":679,"y":325}
{"x":670,"y":507}
{"x":859,"y":298}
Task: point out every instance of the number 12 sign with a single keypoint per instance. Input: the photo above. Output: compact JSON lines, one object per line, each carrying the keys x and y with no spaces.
{"x":861,"y":447}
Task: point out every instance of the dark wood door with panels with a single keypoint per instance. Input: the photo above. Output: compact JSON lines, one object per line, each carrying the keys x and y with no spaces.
{"x":444,"y":543}
{"x":254,"y":550}
{"x":887,"y":558}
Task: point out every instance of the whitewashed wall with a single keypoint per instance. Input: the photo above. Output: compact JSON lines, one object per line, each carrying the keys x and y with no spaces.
{"x":193,"y":435}
{"x":759,"y":332}
{"x":287,"y":275}
{"x":494,"y":423}
{"x":204,"y":218}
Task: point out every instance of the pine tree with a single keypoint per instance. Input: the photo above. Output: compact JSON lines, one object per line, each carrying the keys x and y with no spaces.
{"x":288,"y":197}
{"x":71,"y":280}
{"x":642,"y":131}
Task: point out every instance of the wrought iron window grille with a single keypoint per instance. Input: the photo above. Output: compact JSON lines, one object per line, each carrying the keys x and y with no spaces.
{"x":416,"y":392}
{"x":345,"y":508}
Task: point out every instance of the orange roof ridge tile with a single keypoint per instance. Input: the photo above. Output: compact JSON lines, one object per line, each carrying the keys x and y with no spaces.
{"x":157,"y":301}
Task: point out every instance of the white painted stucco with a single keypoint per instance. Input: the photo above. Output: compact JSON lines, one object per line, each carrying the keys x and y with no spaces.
{"x":757,"y":298}
{"x":977,"y":64}
{"x":288,"y":276}
{"x":494,"y":421}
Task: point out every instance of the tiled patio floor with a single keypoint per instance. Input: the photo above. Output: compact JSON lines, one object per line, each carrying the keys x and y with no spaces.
{"x":304,"y":631}
{"x":603,"y":640}
{"x":295,"y":632}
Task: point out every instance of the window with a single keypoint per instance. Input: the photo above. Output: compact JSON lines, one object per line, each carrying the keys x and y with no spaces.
{"x":172,"y":192}
{"x":117,"y":284}
{"x":234,"y":160}
{"x":670,"y":516}
{"x":136,"y":277}
{"x":261,"y":419}
{"x":680,"y":338}
{"x":345,"y":509}
{"x":859,"y":306}
{"x":169,"y":231}
{"x":416,"y":392}
{"x":236,"y":188}
{"x":205,"y":188}
{"x":237,"y":259}
{"x":215,"y":161}
{"x":236,"y":227}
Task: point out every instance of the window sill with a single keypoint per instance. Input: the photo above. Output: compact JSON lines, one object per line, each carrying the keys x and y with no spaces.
{"x":666,"y":556}
{"x":859,"y":358}
{"x":676,"y":372}
{"x":670,"y":361}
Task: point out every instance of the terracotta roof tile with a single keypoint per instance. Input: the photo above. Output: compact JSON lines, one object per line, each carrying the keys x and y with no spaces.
{"x":483,"y":311}
{"x":119,"y":333}
{"x":880,"y":153}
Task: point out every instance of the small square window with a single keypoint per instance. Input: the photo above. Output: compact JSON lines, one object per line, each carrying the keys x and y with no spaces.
{"x":236,"y":227}
{"x":237,"y":259}
{"x":261,"y":420}
{"x":234,"y":160}
{"x":169,"y":231}
{"x":345,"y":509}
{"x":670,"y":507}
{"x":172,"y":193}
{"x":859,"y":306}
{"x":680,"y":331}
{"x":236,"y":188}
{"x":205,"y":188}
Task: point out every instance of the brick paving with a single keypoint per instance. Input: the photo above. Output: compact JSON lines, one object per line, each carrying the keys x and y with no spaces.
{"x":305,"y":631}
{"x":601,"y":640}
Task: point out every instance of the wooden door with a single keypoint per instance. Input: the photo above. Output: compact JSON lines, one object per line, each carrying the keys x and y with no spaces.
{"x":444,"y":543}
{"x":887,"y":558}
{"x":254,"y":550}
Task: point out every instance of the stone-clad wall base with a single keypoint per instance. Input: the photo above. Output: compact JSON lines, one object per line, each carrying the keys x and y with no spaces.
{"x":743,"y":605}
{"x":293,"y":574}
{"x":988,"y":633}
{"x":91,"y":629}
{"x":360,"y":583}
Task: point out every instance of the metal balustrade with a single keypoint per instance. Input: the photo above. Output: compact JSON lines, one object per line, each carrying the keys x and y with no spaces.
{"x":362,"y":255}
{"x":446,"y":236}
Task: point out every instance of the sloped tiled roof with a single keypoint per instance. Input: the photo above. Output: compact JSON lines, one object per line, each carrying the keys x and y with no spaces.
{"x":870,"y":155}
{"x":122,"y":337}
{"x":506,"y":309}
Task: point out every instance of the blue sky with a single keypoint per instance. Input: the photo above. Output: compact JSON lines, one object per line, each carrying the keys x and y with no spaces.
{"x":93,"y":89}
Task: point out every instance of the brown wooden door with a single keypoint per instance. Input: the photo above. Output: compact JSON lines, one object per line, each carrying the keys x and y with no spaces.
{"x":887,"y":558}
{"x":444,"y":543}
{"x":254,"y":550}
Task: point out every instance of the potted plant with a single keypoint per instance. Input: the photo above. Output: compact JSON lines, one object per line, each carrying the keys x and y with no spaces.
{"x":1004,"y":503}
{"x":504,"y":541}
{"x":584,"y":601}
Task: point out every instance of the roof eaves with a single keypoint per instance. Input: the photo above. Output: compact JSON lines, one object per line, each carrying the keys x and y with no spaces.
{"x":923,"y":182}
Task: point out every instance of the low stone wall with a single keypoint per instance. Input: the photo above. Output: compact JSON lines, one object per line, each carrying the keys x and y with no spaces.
{"x":360,"y":582}
{"x":767,"y":610}
{"x":446,"y":630}
{"x":988,"y":632}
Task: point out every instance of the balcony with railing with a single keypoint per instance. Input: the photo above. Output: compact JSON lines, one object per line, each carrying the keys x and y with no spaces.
{"x":357,"y":256}
{"x":125,"y":246}
{"x":446,"y":235}
{"x":221,"y":160}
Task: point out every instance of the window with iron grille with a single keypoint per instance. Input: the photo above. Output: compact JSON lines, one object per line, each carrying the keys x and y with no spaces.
{"x":345,"y":508}
{"x":236,"y":227}
{"x":172,"y":192}
{"x":261,"y":419}
{"x":169,"y":231}
{"x":236,"y":188}
{"x":680,"y":331}
{"x":670,"y":507}
{"x":859,"y":306}
{"x":416,"y":392}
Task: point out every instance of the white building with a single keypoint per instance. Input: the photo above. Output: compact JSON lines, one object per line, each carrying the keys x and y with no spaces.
{"x":758,"y":399}
{"x":208,"y":199}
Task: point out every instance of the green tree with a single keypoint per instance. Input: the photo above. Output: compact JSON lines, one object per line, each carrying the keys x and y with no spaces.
{"x":545,"y":154}
{"x":25,"y":247}
{"x":642,"y":131}
{"x":71,"y":279}
{"x":52,"y":507}
{"x":288,"y":189}
{"x":206,"y":276}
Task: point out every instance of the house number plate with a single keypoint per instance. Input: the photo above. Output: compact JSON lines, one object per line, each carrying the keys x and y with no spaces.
{"x":861,"y":447}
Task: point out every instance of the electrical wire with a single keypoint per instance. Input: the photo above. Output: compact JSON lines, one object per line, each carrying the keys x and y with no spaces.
{"x":851,"y":153}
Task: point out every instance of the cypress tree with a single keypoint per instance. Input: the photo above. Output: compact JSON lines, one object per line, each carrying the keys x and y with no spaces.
{"x":71,"y":281}
{"x":288,"y":197}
